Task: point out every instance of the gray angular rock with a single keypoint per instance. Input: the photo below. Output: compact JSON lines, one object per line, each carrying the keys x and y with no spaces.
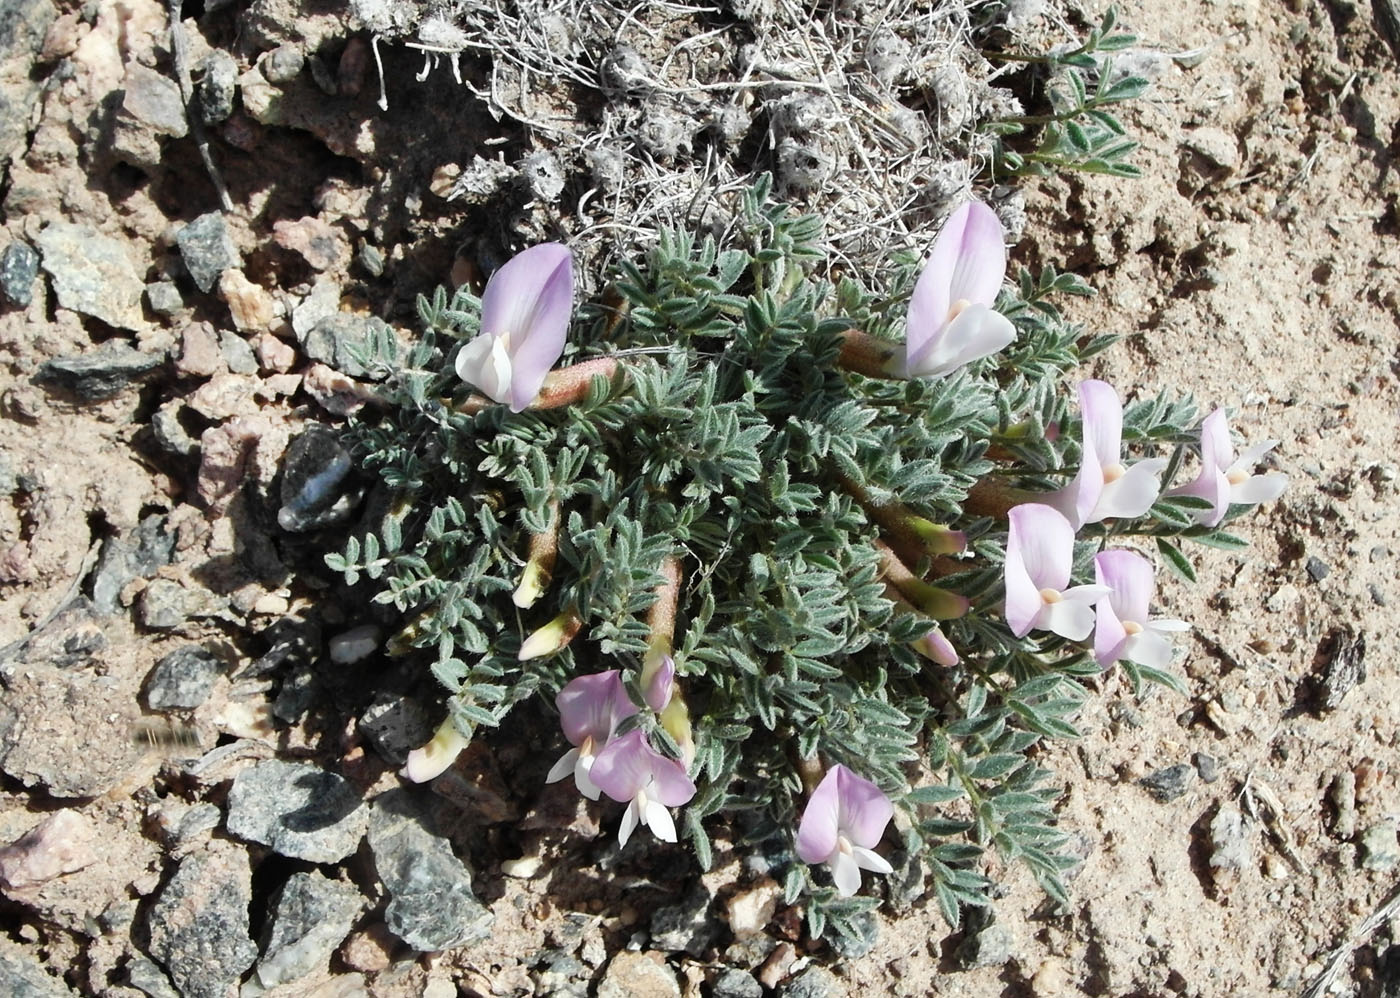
{"x":70,"y":639}
{"x":1230,"y":850}
{"x":431,"y":904}
{"x":216,"y":90}
{"x":183,"y":679}
{"x":169,"y":434}
{"x":989,"y":943}
{"x":92,"y":274}
{"x":207,"y":249}
{"x":297,"y":694}
{"x":330,"y":340}
{"x":814,"y":982}
{"x":19,"y":266}
{"x":737,"y":984}
{"x":164,"y":298}
{"x":237,"y":353}
{"x":21,"y":977}
{"x":137,"y":554}
{"x":313,"y":476}
{"x":283,"y":64}
{"x":166,"y":604}
{"x":396,"y":726}
{"x":310,"y":917}
{"x":153,"y":100}
{"x":98,"y":374}
{"x":199,"y":924}
{"x":297,"y":809}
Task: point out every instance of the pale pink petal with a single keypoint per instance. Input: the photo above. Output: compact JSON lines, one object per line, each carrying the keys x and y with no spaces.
{"x":818,"y":829}
{"x":670,"y":783}
{"x":1212,"y":486}
{"x":936,"y":646}
{"x":623,"y":767}
{"x":1076,"y":501}
{"x":845,"y":873}
{"x":1108,"y":634}
{"x":1259,"y":488}
{"x":591,"y":707}
{"x":868,"y":859}
{"x":976,"y":332}
{"x":529,"y":300}
{"x":1045,"y":542}
{"x":658,"y":692}
{"x":1217,"y":452}
{"x":981,"y":258}
{"x":1130,"y":576}
{"x":1102,"y":415}
{"x":864,"y":808}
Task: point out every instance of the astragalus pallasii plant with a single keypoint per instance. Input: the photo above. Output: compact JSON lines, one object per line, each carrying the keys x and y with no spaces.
{"x":781,"y":547}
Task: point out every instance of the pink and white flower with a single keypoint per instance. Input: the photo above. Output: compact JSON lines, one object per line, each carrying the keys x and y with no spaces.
{"x":1039,"y":559}
{"x":844,"y":821}
{"x":1106,"y":487}
{"x":631,"y":772}
{"x":1123,"y":629}
{"x":1226,"y":479}
{"x":590,"y":709}
{"x":951,"y":321}
{"x":525,"y":313}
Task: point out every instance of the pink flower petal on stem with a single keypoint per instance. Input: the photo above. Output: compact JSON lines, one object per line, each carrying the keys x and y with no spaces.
{"x":658,"y":691}
{"x":1102,"y":414}
{"x":818,"y":829}
{"x":1039,"y":555}
{"x":967,"y":263}
{"x":623,"y":767}
{"x":1217,"y":453}
{"x":592,"y":706}
{"x":864,"y":808}
{"x":1130,"y":577}
{"x":525,"y":309}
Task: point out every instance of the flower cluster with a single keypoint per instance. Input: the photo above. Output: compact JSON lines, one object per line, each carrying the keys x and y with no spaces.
{"x":1040,"y":538}
{"x":837,"y":533}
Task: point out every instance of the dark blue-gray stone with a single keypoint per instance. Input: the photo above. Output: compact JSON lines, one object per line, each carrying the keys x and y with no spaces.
{"x":137,"y":554}
{"x":431,"y":904}
{"x":19,"y":268}
{"x":207,"y":249}
{"x":313,"y":481}
{"x":311,"y":915}
{"x":183,"y":679}
{"x":98,"y":374}
{"x":214,"y":95}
